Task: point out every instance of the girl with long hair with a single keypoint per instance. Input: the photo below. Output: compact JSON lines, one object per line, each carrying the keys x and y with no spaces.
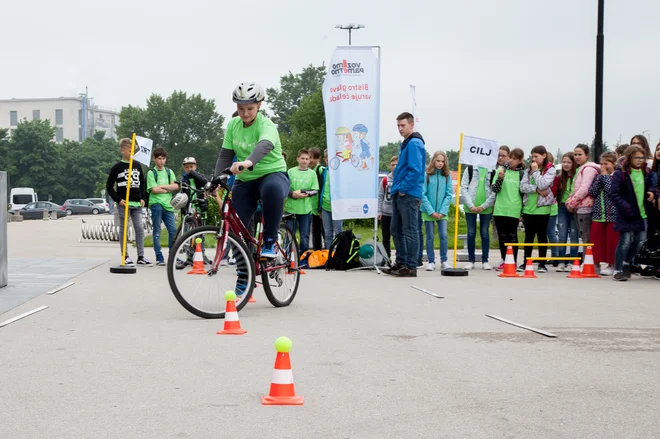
{"x":436,"y":198}
{"x":579,"y":201}
{"x":603,"y":216}
{"x":641,"y":141}
{"x":566,"y":224}
{"x":554,"y":210}
{"x":508,"y":202}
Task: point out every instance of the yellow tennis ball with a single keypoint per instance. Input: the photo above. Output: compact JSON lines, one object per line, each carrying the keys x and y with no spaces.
{"x":230,"y":295}
{"x":283,"y":344}
{"x":198,"y":240}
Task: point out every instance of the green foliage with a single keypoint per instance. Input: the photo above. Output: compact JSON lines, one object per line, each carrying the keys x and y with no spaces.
{"x":184,"y":125}
{"x":307,"y":125}
{"x":452,"y":158}
{"x":286,"y":99}
{"x":386,"y":153}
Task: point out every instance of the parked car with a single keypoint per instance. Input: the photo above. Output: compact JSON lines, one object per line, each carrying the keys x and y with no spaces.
{"x":101,"y":202}
{"x":36,"y":210}
{"x":81,"y":206}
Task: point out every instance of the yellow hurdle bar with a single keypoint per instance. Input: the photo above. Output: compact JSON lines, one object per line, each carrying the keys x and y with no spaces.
{"x":552,"y":259}
{"x":520,"y":244}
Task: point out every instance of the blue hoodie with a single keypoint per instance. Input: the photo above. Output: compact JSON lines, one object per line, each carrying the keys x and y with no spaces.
{"x":409,"y":172}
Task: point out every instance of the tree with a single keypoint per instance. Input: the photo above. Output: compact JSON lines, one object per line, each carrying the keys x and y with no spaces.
{"x":93,"y":159}
{"x":452,"y":158}
{"x":286,"y":99}
{"x":386,"y":153}
{"x":5,"y":163}
{"x":184,"y":125}
{"x":307,"y":124}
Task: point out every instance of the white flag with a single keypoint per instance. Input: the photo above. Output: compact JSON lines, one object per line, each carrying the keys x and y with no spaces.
{"x":143,"y":150}
{"x":479,"y":152}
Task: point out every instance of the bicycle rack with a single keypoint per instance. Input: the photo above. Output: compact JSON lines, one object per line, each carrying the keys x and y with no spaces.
{"x":105,"y":231}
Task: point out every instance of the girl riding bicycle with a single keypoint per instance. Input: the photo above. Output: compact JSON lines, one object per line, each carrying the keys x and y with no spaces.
{"x":260,"y":168}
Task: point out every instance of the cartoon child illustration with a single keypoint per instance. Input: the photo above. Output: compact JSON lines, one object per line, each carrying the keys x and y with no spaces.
{"x":345,"y":140}
{"x":365,"y":147}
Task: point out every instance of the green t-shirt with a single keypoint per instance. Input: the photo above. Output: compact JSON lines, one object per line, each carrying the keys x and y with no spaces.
{"x":163,"y":178}
{"x":508,"y":201}
{"x":301,"y":180}
{"x":531,"y":207}
{"x":480,"y":196}
{"x":638,"y":184}
{"x":326,"y":203}
{"x":569,"y":189}
{"x":242,"y":140}
{"x":554,"y":210}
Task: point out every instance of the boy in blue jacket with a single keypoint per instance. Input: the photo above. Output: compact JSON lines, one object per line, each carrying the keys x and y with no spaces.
{"x":407,"y":198}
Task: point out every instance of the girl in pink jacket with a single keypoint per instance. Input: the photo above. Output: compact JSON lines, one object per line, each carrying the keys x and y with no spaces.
{"x":580,"y":202}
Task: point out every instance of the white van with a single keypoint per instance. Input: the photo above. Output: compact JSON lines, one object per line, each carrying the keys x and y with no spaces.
{"x":19,"y":197}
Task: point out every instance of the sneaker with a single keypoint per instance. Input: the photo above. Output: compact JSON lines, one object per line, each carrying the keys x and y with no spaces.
{"x":144,"y":261}
{"x":405,"y":272}
{"x":129,"y":261}
{"x":521,"y":268}
{"x":469,"y":266}
{"x":420,"y":263}
{"x":648,"y":271}
{"x":445,"y":266}
{"x":626,"y":270}
{"x":232,"y":261}
{"x":555,"y":264}
{"x":562,"y":268}
{"x":159,"y":263}
{"x":392,"y":269}
{"x":180,"y":265}
{"x":500,"y":267}
{"x":542,"y":269}
{"x":224,"y":263}
{"x":607,"y":271}
{"x":430,"y":266}
{"x":486,"y":266}
{"x":268,"y":250}
{"x":620,"y":276}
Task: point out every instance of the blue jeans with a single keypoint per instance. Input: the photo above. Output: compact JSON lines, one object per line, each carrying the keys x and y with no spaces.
{"x":442,"y":233}
{"x":272,"y":189}
{"x":331,"y":228}
{"x":303,"y":221}
{"x":421,"y":238}
{"x":565,"y":223}
{"x":404,"y":228}
{"x":484,"y":222}
{"x":629,"y":245}
{"x":552,"y":235}
{"x":158,"y":214}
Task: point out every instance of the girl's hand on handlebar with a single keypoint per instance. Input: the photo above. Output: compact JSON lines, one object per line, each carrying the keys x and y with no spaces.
{"x":238,"y":167}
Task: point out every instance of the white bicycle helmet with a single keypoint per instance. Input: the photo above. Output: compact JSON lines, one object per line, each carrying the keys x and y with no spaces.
{"x":248,"y":93}
{"x":179,"y":201}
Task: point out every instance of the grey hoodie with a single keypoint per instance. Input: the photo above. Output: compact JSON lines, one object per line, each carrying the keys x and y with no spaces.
{"x":385,"y":196}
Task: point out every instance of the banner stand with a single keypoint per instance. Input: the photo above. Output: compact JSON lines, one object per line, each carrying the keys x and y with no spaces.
{"x":457,"y":272}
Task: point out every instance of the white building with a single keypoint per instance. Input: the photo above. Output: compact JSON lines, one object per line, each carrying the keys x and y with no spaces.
{"x":67,"y":115}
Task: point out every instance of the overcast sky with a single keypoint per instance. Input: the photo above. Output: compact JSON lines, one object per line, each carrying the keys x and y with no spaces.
{"x":517,"y":71}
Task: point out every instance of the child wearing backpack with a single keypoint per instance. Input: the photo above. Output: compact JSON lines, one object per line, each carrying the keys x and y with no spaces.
{"x":436,"y":198}
{"x":508,"y":202}
{"x":299,"y":202}
{"x":478,"y":198}
{"x":161,"y":182}
{"x":603,"y":216}
{"x":385,"y":206}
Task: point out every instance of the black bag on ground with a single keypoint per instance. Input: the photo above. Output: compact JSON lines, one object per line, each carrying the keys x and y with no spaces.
{"x":344,"y":252}
{"x":649,"y":254}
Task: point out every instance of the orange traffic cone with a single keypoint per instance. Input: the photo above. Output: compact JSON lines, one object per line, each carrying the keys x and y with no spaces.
{"x":509,"y":264}
{"x":575,"y":271}
{"x":282,"y":391}
{"x":589,"y":269}
{"x":198,"y":259}
{"x":232,"y":324}
{"x":529,"y":270}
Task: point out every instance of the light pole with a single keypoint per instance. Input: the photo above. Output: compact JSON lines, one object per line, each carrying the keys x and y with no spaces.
{"x":349,"y":28}
{"x":600,"y":49}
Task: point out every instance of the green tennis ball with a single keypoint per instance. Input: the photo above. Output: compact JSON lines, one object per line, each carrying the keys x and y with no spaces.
{"x":198,"y":240}
{"x":229,"y":295}
{"x":283,"y":344}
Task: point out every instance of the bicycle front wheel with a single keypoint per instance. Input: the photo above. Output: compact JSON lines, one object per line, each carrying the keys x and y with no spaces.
{"x":200,"y":279}
{"x":280,"y":276}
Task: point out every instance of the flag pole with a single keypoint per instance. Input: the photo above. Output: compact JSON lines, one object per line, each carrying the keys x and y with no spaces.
{"x":123,"y":269}
{"x":457,"y":271}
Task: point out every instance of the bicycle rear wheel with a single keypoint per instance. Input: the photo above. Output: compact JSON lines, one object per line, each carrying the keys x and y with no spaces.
{"x":198,"y":287}
{"x":280,"y":276}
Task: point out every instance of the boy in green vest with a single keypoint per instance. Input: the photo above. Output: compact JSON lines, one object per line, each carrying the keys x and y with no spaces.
{"x":161,"y":182}
{"x":304,"y":185}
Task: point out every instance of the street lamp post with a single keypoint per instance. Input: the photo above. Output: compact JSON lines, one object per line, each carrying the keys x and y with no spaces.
{"x":600,"y":49}
{"x":349,"y":28}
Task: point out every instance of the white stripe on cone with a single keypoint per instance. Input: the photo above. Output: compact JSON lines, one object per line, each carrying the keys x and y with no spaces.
{"x":588,"y":259}
{"x":231,"y":316}
{"x":198,"y":257}
{"x":282,"y":376}
{"x":509,"y":259}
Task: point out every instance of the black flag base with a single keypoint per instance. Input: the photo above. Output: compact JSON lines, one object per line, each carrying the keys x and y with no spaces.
{"x":123,"y":269}
{"x":455,"y":272}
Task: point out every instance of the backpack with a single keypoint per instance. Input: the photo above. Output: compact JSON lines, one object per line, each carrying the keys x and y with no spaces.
{"x":489,"y":176}
{"x":314,"y":259}
{"x":153,"y":170}
{"x":344,"y":253}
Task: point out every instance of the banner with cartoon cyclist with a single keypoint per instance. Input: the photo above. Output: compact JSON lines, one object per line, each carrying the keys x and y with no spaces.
{"x":351,"y":97}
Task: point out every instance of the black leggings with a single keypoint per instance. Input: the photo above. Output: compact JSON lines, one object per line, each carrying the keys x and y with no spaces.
{"x":507,"y":231}
{"x":536,"y":226}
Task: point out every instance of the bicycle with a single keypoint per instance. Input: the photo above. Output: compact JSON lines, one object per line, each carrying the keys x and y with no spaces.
{"x":339,"y":158}
{"x":280,"y":276}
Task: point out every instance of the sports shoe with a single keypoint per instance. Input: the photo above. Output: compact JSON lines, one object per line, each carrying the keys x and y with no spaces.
{"x":469,"y":266}
{"x":405,"y":272}
{"x":159,"y":263}
{"x":500,"y":267}
{"x":445,"y":266}
{"x":129,"y":261}
{"x":224,"y":262}
{"x":521,"y":268}
{"x":561,"y":268}
{"x":620,"y":276}
{"x":486,"y":266}
{"x":268,"y":250}
{"x":430,"y":266}
{"x":542,"y":269}
{"x":626,"y":270}
{"x":607,"y":271}
{"x":392,"y":269}
{"x":144,"y":261}
{"x":180,"y":265}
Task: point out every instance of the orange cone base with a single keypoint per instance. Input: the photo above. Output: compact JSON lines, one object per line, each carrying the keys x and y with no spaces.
{"x":238,"y":331}
{"x":252,"y":300}
{"x":282,"y":400}
{"x":575,"y":276}
{"x":197,"y":271}
{"x":590,"y":275}
{"x":508,"y":275}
